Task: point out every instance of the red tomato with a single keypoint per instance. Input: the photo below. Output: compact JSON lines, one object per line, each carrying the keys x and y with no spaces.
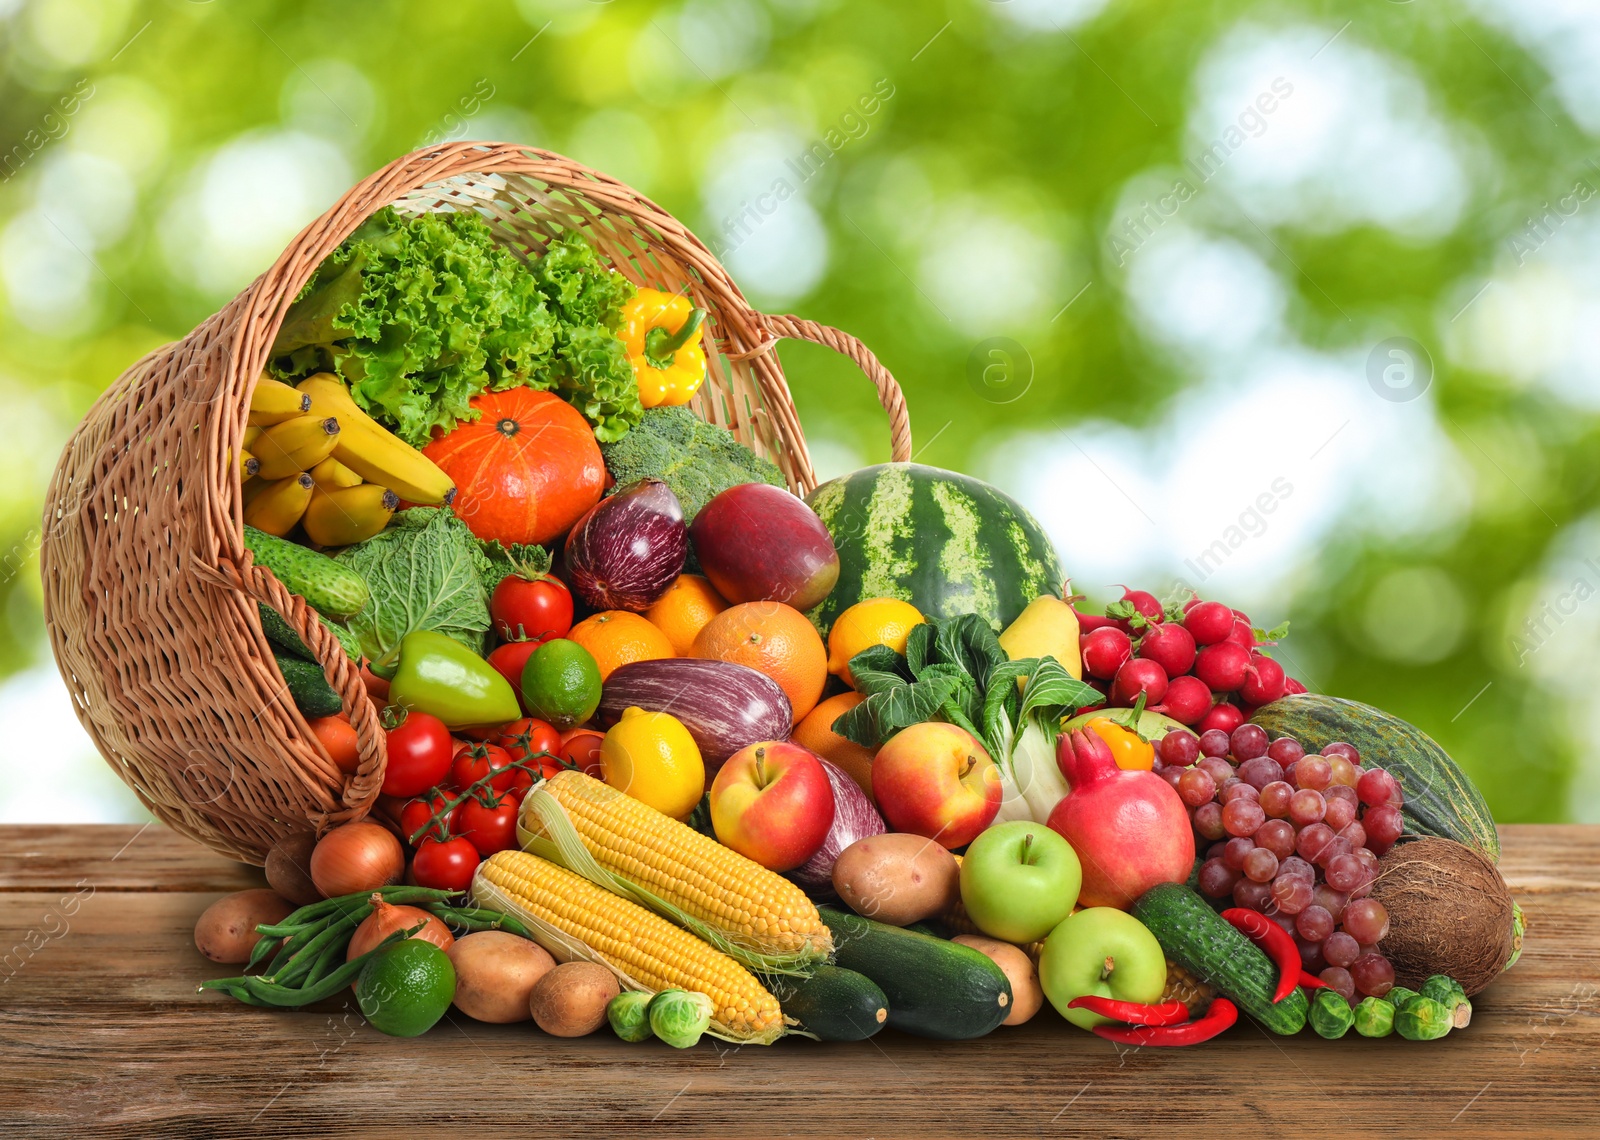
{"x":419,"y":755}
{"x":534,"y":608}
{"x":490,"y":829}
{"x":480,"y":760}
{"x":580,"y":748}
{"x":445,"y":865}
{"x":526,"y":738}
{"x":417,"y":813}
{"x":336,"y":734}
{"x":509,"y":660}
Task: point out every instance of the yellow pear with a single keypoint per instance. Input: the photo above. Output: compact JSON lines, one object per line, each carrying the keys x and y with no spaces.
{"x":1047,"y":628}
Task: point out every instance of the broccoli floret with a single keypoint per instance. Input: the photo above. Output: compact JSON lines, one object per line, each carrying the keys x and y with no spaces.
{"x":698,"y":461}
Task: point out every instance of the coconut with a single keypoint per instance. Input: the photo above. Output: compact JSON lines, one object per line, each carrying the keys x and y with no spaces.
{"x":1449,"y":913}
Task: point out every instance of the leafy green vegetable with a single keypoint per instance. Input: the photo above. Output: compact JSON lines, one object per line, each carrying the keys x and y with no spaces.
{"x":696,"y":459}
{"x":421,"y":314}
{"x":426,"y":571}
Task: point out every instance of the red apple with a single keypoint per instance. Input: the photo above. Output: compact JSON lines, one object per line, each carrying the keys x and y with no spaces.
{"x":936,"y":780}
{"x":761,"y":544}
{"x":772,"y":802}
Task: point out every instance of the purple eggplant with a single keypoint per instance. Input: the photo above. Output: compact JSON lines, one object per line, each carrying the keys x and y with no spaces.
{"x":628,"y":548}
{"x":724,"y":706}
{"x":854,"y":818}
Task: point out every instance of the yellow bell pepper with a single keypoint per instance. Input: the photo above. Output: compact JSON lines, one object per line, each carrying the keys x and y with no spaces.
{"x":661,"y":333}
{"x":1130,"y":750}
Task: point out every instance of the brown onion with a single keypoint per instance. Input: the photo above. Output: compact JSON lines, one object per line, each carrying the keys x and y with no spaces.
{"x":386,"y":918}
{"x":356,"y":857}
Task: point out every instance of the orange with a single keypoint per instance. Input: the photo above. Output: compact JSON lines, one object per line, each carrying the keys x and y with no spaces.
{"x":816,"y":733}
{"x":683,"y":611}
{"x":774,"y":639}
{"x":616,"y":637}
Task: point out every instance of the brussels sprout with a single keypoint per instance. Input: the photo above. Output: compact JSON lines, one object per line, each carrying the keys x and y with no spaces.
{"x":679,"y":1017}
{"x":1400,"y":997}
{"x":1423,"y":1019}
{"x":1374,"y":1017}
{"x":1330,"y":1014}
{"x":629,"y":1015}
{"x":1448,"y":993}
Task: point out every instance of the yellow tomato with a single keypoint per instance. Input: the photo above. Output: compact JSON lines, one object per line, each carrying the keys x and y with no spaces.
{"x":1130,"y":750}
{"x":651,"y":757}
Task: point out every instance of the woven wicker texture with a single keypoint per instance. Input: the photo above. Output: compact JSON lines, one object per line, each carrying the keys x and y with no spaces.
{"x":149,"y":594}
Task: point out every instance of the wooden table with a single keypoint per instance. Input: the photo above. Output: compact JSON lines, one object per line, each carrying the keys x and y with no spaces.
{"x":104,"y":1034}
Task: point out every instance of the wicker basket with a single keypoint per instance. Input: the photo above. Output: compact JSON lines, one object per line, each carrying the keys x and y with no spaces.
{"x":149,"y":594}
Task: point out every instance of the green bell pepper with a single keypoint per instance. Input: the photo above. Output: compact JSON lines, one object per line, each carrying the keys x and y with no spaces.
{"x":439,"y":675}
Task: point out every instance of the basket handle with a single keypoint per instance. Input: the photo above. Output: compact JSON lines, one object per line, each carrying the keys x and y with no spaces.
{"x":889,"y":393}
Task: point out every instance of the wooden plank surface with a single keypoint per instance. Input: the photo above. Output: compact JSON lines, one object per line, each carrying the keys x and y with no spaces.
{"x":102,"y":1034}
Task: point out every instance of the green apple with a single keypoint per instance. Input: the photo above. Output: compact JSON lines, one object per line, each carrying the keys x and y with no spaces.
{"x":1105,"y":952}
{"x":1019,"y":880}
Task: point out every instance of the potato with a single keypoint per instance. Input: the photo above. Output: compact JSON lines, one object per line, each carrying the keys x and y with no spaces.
{"x":897,"y":879}
{"x":571,"y":1000}
{"x":495,"y":973}
{"x":289,"y":868}
{"x":226,"y":931}
{"x":1026,"y":993}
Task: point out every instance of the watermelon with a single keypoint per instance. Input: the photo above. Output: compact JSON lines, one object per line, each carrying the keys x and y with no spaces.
{"x":1440,"y":800}
{"x":947,"y":543}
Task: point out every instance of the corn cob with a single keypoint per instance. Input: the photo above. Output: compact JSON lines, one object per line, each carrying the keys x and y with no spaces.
{"x":736,"y":904}
{"x":572,"y":917}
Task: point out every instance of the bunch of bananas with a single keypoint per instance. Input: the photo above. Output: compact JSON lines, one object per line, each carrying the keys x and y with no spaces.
{"x":313,"y":458}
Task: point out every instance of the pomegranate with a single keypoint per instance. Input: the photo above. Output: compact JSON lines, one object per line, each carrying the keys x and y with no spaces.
{"x":1129,"y":828}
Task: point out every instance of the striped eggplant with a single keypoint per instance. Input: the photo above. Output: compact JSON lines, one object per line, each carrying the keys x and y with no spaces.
{"x":947,"y":543}
{"x":724,"y":706}
{"x":1439,"y":798}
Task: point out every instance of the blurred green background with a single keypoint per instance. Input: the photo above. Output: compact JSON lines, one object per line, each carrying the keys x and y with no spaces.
{"x":1291,"y":302}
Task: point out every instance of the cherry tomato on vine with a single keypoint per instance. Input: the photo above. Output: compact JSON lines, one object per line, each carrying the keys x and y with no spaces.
{"x":420,"y":750}
{"x":528,"y":737}
{"x":445,"y":865}
{"x":490,"y":827}
{"x":535,"y":609}
{"x":509,"y":659}
{"x":580,"y":748}
{"x":477,"y":761}
{"x":416,"y":814}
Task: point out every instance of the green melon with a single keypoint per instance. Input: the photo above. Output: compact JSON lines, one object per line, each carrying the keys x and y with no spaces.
{"x":1439,"y":798}
{"x":947,"y":543}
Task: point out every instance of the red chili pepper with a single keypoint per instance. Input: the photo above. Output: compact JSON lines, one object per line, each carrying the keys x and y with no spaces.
{"x":1220,"y":1016}
{"x":1312,"y":982}
{"x":1133,"y":1012}
{"x":1272,"y":938}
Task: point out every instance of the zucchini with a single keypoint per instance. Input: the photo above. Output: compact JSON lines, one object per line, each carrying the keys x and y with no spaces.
{"x":330,"y":587}
{"x":833,"y":1004}
{"x":312,"y":694}
{"x":934,"y":988}
{"x":1439,"y":798}
{"x":1198,"y":939}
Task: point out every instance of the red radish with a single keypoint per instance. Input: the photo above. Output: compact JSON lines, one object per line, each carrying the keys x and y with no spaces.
{"x":1193,"y":601}
{"x":1223,"y":666}
{"x":1088,"y":623}
{"x":1265,"y":683}
{"x":1208,"y":622}
{"x":1146,"y":604}
{"x":1224,"y":716}
{"x":1292,"y":687}
{"x":1131,"y":827}
{"x":1139,"y":676}
{"x":1170,"y":646}
{"x":1242,"y":634}
{"x":1104,"y":651}
{"x":1187,"y":700}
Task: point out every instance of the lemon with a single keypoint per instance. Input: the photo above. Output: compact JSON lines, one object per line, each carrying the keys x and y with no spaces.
{"x":876,"y":621}
{"x":652,"y":757}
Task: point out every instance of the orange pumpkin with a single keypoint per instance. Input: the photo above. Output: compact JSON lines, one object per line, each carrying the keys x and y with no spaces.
{"x":525,"y":470}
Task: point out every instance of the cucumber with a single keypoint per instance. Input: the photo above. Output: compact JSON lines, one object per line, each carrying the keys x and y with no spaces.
{"x":1198,"y":939}
{"x":934,"y":988}
{"x":833,"y":1004}
{"x":331,"y":588}
{"x":312,"y":694}
{"x":282,"y":634}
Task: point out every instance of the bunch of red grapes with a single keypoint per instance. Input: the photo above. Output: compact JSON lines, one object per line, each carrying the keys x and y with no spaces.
{"x":1296,"y":837}
{"x":1202,"y":667}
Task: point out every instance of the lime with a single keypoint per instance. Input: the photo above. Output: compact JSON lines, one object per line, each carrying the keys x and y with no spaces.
{"x":404,"y":989}
{"x":561,"y":683}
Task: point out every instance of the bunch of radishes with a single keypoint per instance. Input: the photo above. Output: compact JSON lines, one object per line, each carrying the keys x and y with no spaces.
{"x":1201,"y":664}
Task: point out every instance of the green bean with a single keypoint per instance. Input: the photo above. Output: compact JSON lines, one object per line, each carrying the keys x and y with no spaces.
{"x":476,"y":918}
{"x":335,"y":933}
{"x":289,"y":997}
